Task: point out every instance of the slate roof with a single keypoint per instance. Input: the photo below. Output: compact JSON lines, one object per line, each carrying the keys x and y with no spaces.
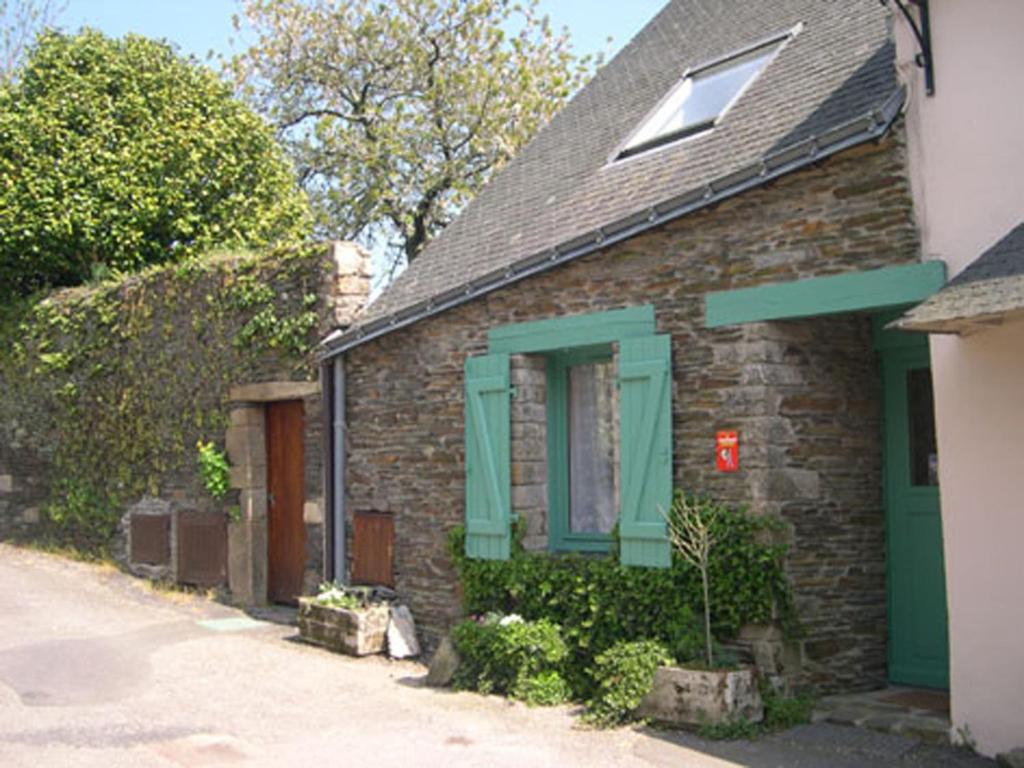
{"x":991,"y":287}
{"x":832,"y":86}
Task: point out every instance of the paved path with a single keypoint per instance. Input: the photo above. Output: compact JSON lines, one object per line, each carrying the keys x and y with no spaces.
{"x":98,"y":670}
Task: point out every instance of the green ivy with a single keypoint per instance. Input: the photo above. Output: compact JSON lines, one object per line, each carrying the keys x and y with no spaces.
{"x":113,"y":384}
{"x":598,"y":602}
{"x":214,"y":469}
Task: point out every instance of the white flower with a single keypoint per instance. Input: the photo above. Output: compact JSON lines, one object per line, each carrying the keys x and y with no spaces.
{"x":512,"y":618}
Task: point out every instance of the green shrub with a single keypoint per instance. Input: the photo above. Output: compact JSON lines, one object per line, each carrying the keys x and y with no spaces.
{"x":598,"y":602}
{"x":546,"y":689}
{"x":783,"y":712}
{"x":624,"y":674}
{"x":508,"y":655}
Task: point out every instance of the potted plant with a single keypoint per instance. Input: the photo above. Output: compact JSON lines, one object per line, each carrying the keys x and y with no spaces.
{"x":705,"y":692}
{"x":344,"y":619}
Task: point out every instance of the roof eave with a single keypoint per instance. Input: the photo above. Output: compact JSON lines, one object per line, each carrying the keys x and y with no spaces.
{"x":870,"y":126}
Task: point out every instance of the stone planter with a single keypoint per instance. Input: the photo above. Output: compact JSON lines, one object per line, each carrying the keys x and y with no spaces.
{"x":698,"y":697}
{"x":355,"y":632}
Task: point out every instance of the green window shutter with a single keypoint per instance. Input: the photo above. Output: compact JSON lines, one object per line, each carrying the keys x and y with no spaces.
{"x":645,"y":397}
{"x":488,"y":453}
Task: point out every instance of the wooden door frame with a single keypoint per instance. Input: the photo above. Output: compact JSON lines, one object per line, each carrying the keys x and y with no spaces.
{"x":245,"y":440}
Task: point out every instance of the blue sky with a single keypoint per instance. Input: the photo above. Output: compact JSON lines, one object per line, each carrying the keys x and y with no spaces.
{"x":199,"y":26}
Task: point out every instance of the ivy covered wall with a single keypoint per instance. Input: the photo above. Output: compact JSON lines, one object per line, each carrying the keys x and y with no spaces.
{"x":105,"y":390}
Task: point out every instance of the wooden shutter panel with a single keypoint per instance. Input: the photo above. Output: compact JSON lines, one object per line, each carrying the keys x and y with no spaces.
{"x":488,"y":453}
{"x":645,"y":384}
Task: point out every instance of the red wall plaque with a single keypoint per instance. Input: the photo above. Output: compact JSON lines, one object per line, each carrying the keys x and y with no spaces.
{"x":727,"y":451}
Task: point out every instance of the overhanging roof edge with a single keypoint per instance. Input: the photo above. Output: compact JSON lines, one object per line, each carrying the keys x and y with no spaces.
{"x":876,"y":123}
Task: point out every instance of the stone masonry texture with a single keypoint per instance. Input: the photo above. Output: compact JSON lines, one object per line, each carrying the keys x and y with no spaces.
{"x":804,"y":395}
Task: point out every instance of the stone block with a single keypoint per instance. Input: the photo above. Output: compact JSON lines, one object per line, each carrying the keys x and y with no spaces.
{"x":694,"y":697}
{"x":313,"y":512}
{"x":248,"y":476}
{"x":240,"y":580}
{"x":443,"y":665}
{"x":273,"y":391}
{"x":30,"y":515}
{"x":359,"y":632}
{"x":401,"y":633}
{"x":246,"y":445}
{"x":350,"y":259}
{"x":6,"y":483}
{"x":253,"y":504}
{"x":247,"y":416}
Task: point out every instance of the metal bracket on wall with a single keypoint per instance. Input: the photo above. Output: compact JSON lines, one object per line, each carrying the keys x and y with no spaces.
{"x":923,"y":33}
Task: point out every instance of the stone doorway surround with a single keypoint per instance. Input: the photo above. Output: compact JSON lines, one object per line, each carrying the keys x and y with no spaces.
{"x":246,"y":441}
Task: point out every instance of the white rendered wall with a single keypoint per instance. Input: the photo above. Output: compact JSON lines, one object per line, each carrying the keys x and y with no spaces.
{"x":967,"y":166}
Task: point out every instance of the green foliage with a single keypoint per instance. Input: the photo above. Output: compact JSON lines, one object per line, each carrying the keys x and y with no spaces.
{"x":510,"y":656}
{"x":731,"y":731}
{"x":780,"y":714}
{"x":81,"y":517}
{"x":119,"y":154}
{"x":335,"y":595}
{"x":545,"y":689}
{"x":214,"y":469}
{"x":400,"y":112}
{"x":784,"y":712}
{"x":623,"y":675}
{"x":113,"y":385}
{"x":598,"y":602}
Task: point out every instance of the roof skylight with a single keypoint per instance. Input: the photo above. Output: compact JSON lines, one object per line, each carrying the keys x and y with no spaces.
{"x":702,"y":97}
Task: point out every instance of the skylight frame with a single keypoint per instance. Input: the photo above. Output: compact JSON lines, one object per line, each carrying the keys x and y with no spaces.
{"x":779,"y":41}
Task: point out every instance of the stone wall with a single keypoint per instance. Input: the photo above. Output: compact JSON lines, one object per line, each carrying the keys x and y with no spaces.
{"x":529,"y":449}
{"x":105,"y":390}
{"x":804,"y":394}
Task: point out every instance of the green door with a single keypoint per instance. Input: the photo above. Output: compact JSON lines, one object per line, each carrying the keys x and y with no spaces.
{"x":918,"y":640}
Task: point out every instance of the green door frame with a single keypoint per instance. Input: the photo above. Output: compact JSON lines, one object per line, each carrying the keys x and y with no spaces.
{"x":911,"y":594}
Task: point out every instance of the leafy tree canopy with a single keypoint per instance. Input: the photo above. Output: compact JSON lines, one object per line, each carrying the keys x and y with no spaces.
{"x":115,"y":154}
{"x":398,"y":112}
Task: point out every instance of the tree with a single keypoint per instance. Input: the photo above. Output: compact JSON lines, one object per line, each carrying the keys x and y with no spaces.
{"x":20,"y":21}
{"x":691,"y":531}
{"x":115,"y":154}
{"x":398,"y":112}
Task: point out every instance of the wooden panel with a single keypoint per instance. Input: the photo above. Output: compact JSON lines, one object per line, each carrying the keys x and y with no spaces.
{"x":373,"y":548}
{"x":488,"y":457}
{"x":572,"y":331}
{"x":151,"y":539}
{"x":202,"y":549}
{"x":851,"y":292}
{"x":645,"y":435}
{"x":286,"y":532}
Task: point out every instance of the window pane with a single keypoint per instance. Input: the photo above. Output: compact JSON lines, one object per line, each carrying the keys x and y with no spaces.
{"x":593,"y":506}
{"x":702,"y":97}
{"x":713,"y":92}
{"x":924,"y":455}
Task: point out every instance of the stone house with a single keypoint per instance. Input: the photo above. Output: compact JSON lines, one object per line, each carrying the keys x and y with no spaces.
{"x":709,"y":238}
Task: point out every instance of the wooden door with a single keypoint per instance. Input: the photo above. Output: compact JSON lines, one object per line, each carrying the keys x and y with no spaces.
{"x":286,"y":533}
{"x":918,"y":637}
{"x":373,"y":549}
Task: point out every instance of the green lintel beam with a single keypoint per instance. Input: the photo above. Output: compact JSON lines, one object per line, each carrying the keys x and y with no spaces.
{"x":572,"y":331}
{"x":873,"y":289}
